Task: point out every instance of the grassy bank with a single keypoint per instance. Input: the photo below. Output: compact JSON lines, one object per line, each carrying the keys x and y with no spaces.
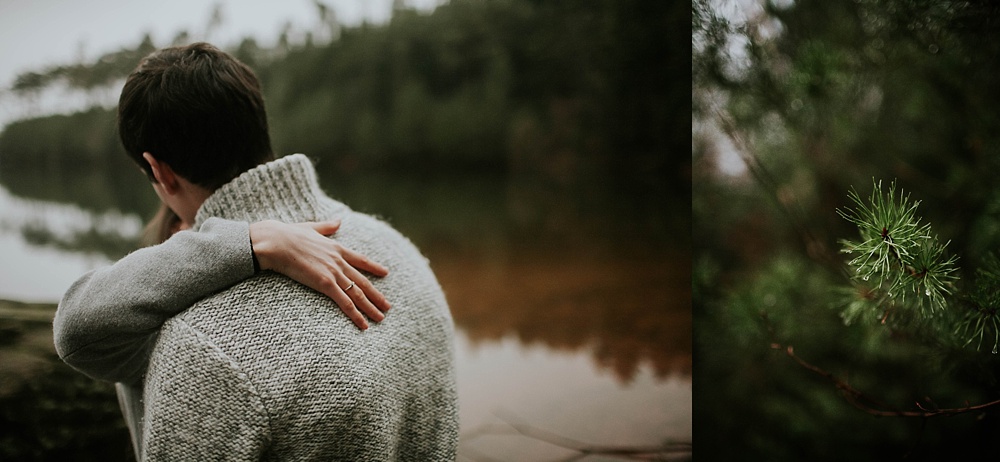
{"x":48,"y":410}
{"x":21,"y":311}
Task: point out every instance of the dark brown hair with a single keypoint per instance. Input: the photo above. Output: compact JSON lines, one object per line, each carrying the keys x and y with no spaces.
{"x":197,"y":109}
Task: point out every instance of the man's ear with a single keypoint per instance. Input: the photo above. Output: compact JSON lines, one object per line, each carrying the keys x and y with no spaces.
{"x":163,"y":174}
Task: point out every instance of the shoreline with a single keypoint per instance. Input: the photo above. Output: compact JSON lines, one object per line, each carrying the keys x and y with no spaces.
{"x":27,"y":311}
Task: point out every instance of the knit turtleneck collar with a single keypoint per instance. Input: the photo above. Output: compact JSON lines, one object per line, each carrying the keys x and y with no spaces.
{"x":285,"y":189}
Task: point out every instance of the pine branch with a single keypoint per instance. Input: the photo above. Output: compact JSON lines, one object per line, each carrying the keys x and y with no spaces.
{"x":896,"y":253}
{"x":902,"y":272}
{"x":903,"y":275}
{"x":981,"y":307}
{"x":866,"y":403}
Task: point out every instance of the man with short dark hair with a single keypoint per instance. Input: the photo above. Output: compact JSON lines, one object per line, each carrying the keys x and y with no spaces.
{"x":266,"y":370}
{"x":197,"y":109}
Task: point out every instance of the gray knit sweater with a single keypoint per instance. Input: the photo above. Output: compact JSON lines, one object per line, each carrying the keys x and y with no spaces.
{"x":108,"y":320}
{"x":271,"y":370}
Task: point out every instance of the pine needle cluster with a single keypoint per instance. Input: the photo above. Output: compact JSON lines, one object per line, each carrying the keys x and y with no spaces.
{"x":978,"y":317}
{"x":897,"y":254}
{"x":902,"y":274}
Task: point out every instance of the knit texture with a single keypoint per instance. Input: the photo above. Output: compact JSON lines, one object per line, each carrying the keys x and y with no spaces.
{"x":271,"y":370}
{"x":107,"y":321}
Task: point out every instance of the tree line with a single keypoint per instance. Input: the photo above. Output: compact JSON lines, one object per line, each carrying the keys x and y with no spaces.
{"x":566,"y":89}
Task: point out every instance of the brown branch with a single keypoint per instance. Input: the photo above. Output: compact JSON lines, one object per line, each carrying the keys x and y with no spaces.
{"x":858,"y":399}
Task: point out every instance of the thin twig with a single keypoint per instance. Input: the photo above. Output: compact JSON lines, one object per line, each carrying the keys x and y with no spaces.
{"x":858,"y":398}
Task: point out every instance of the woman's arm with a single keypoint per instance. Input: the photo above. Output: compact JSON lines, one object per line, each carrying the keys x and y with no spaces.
{"x":108,"y":320}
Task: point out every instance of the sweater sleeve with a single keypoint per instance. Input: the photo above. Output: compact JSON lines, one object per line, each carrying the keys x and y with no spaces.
{"x":199,"y":403}
{"x":108,"y":320}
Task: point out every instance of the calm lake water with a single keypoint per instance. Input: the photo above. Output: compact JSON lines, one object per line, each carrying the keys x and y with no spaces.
{"x":572,"y":307}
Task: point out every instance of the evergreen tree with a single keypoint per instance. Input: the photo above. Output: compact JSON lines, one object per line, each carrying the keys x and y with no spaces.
{"x":818,"y":306}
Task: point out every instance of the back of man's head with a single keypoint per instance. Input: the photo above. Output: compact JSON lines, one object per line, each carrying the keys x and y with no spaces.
{"x":198,"y":110}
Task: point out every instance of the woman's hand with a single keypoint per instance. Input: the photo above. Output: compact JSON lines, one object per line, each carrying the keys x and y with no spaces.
{"x":302,"y":252}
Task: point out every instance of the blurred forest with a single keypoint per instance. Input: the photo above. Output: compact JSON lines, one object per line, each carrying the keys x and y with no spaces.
{"x":577,"y":92}
{"x":794,"y":104}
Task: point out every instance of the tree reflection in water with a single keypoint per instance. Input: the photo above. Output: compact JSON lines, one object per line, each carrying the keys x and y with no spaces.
{"x":626,"y":311}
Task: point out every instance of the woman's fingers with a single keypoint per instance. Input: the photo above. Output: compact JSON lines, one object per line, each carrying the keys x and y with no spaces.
{"x":363,"y":304}
{"x":369,"y":300}
{"x":345,"y":303}
{"x":326,"y":228}
{"x":356,"y":296}
{"x":369,"y":290}
{"x":301,"y":252}
{"x":363,"y":263}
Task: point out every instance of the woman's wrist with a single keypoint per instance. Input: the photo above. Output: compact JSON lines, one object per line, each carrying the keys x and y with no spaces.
{"x":256,"y":262}
{"x":262,"y":241}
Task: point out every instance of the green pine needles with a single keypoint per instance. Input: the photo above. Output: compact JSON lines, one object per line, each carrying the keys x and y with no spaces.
{"x":903,"y":275}
{"x":897,"y":253}
{"x":979,"y":317}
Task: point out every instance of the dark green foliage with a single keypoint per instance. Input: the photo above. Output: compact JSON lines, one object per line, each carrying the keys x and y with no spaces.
{"x":64,"y":416}
{"x":562,"y":89}
{"x":829,"y":95}
{"x":49,"y":411}
{"x":979,"y":322}
{"x":85,"y":76}
{"x":753,"y":402}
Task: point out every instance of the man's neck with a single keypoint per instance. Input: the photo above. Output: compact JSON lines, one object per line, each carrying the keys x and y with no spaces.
{"x":285,"y":189}
{"x":188,"y":200}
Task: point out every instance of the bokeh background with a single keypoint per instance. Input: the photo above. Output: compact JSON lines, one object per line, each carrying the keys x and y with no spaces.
{"x":795,"y":103}
{"x":536,"y":151}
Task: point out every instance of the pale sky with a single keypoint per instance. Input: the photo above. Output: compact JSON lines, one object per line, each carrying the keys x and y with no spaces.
{"x":38,"y":33}
{"x":35,"y":34}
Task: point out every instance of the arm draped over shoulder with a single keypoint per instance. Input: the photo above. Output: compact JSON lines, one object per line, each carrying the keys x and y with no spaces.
{"x":108,"y":320}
